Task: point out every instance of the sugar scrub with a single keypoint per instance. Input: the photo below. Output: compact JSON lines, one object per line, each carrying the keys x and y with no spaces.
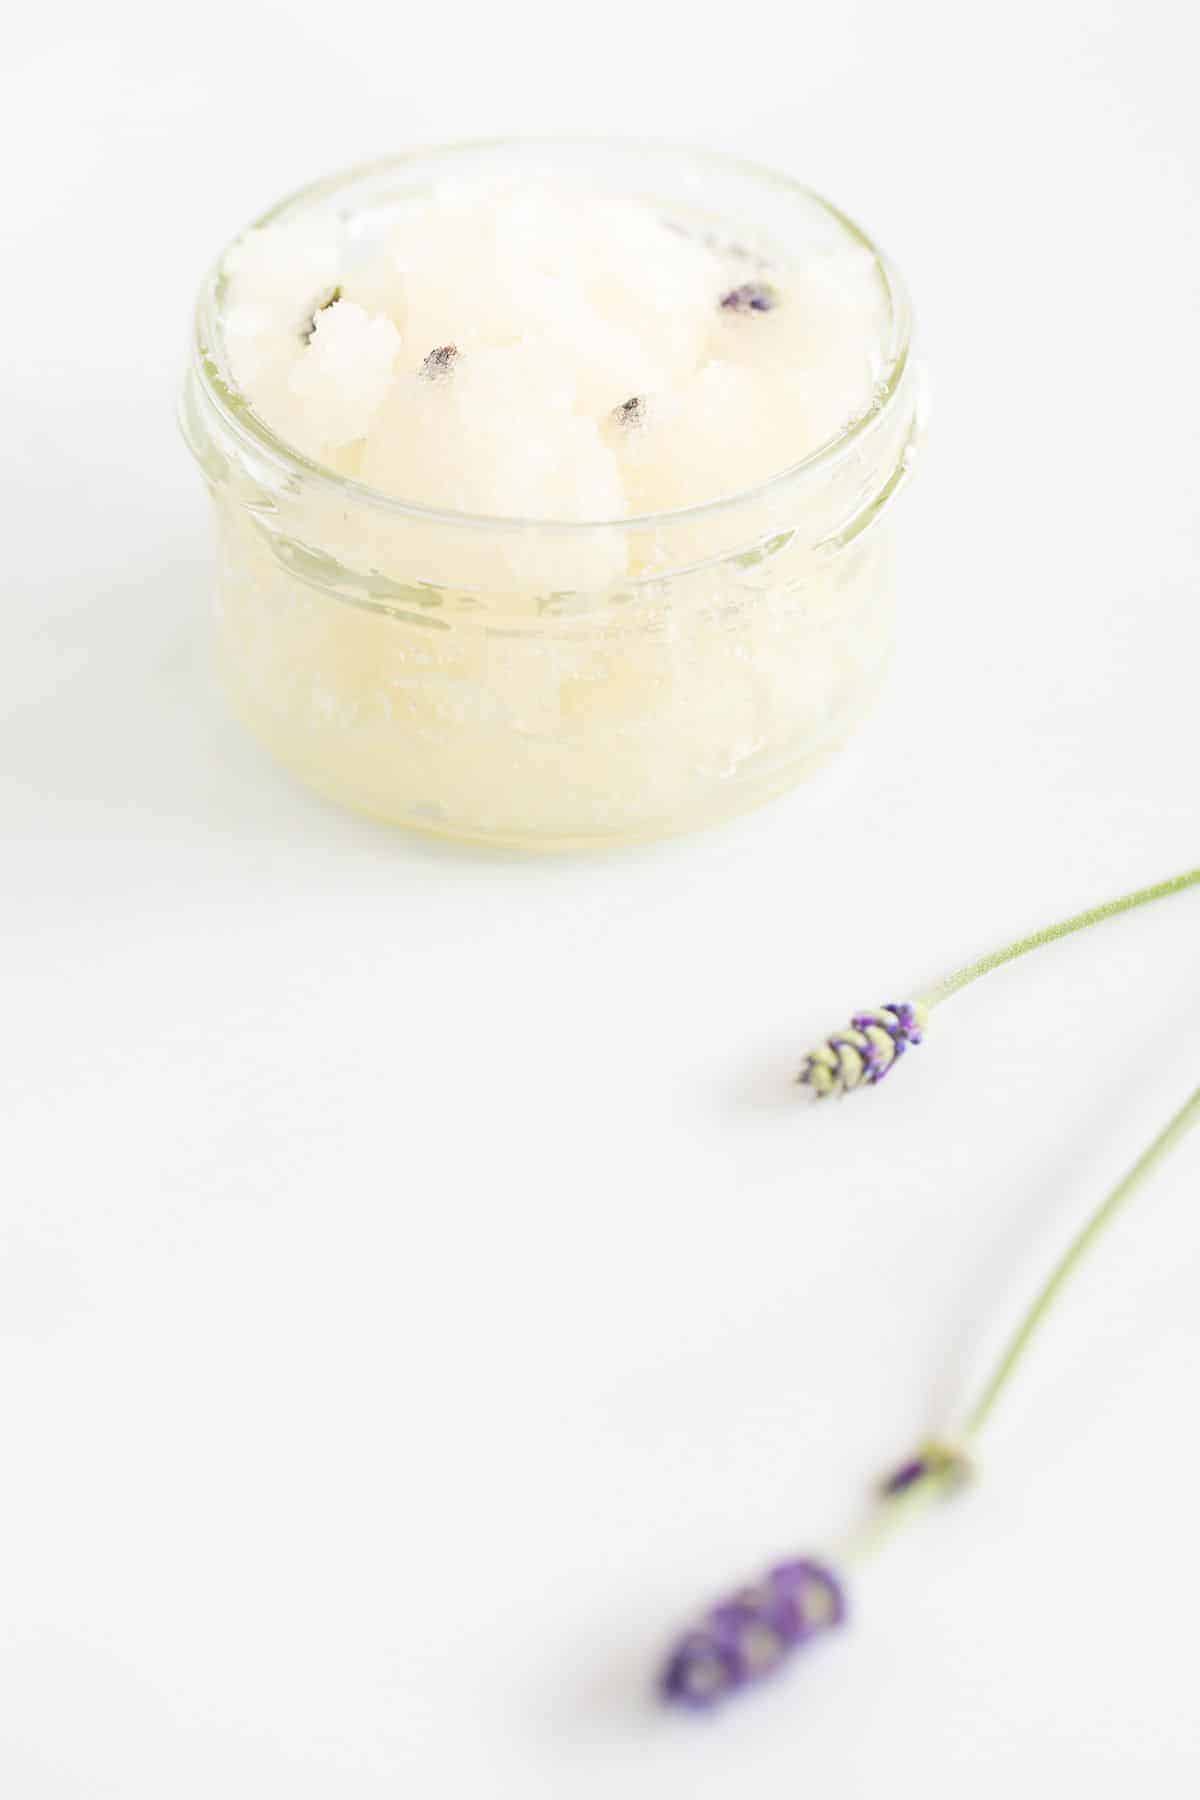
{"x":516,"y":350}
{"x":549,"y":484}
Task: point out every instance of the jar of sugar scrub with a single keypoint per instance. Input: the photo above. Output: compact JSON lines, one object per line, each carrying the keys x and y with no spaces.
{"x":552,"y":485}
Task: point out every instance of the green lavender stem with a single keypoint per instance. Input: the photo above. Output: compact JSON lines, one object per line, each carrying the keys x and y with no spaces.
{"x":899,"y":1508}
{"x":1095,"y":915}
{"x":1084,"y":1241}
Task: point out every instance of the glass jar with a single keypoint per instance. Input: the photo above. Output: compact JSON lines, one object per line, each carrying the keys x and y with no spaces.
{"x":541,"y":684}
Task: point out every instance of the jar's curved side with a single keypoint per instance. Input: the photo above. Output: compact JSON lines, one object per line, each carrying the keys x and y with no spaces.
{"x":527,"y":579}
{"x":552,"y":720}
{"x":684,"y":709}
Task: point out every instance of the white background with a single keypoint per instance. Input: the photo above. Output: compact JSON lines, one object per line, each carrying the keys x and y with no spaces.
{"x":420,"y":1285}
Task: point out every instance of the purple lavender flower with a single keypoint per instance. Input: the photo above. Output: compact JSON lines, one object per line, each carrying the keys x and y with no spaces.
{"x":906,"y":1476}
{"x":864,"y":1054}
{"x":747,"y":1636}
{"x":751,"y":297}
{"x":945,"y":1463}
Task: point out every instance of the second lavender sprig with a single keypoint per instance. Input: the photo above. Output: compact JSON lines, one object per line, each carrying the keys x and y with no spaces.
{"x":749,"y":1635}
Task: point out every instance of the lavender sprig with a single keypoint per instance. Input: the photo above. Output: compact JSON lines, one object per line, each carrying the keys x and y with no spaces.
{"x":863,"y":1053}
{"x":755,"y":1631}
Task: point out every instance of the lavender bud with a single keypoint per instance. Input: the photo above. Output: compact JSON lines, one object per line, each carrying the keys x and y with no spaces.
{"x":935,"y":1461}
{"x":864,"y":1054}
{"x":906,"y":1476}
{"x":751,"y":297}
{"x":746,"y":1637}
{"x":439,"y":362}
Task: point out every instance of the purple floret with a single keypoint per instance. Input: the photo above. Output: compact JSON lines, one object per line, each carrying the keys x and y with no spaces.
{"x":936,"y":1461}
{"x":902,"y":1028}
{"x":701,"y":1670}
{"x":906,"y":1016}
{"x":751,"y":297}
{"x":906,"y":1476}
{"x":812,"y":1592}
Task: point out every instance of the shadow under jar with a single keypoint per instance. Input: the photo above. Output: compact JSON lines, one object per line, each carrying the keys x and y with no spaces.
{"x":543,"y":684}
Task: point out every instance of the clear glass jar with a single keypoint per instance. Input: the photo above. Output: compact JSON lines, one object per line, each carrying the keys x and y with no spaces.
{"x":541,"y":684}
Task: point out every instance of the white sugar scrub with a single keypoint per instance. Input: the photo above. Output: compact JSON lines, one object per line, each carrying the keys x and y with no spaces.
{"x":550,"y":485}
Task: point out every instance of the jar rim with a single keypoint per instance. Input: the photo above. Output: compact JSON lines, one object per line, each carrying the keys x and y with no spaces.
{"x":248,"y":428}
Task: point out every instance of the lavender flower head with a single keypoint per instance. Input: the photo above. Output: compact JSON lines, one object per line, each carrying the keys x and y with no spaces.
{"x":864,"y":1054}
{"x":751,"y":297}
{"x":937,"y":1461}
{"x":747,"y":1636}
